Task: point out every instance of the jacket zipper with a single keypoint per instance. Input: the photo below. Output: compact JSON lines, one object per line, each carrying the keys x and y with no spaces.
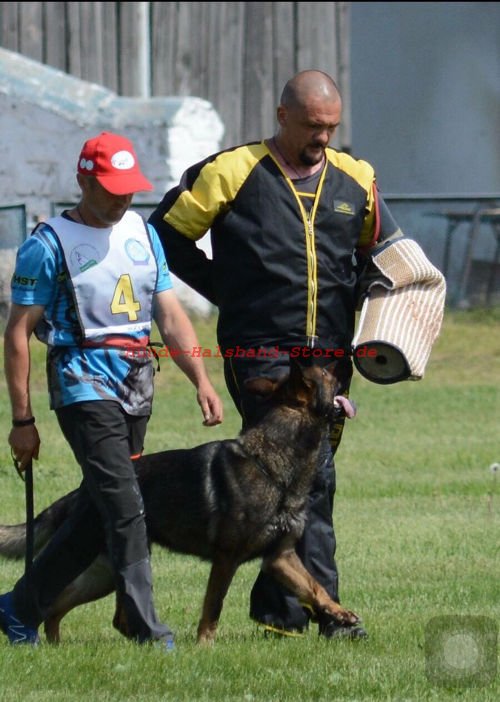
{"x":312,"y":269}
{"x":312,"y":281}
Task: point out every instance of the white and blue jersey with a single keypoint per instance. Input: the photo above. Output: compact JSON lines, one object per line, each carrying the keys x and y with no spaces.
{"x":97,"y":288}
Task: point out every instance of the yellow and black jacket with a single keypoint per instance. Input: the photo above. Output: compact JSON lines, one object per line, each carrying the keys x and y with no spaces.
{"x":280,"y":273}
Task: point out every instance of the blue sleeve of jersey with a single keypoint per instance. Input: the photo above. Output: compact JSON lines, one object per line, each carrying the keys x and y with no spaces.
{"x":35,"y":274}
{"x":164,"y":281}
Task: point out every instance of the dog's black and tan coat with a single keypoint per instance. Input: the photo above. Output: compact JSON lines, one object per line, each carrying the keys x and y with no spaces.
{"x":226,"y":501}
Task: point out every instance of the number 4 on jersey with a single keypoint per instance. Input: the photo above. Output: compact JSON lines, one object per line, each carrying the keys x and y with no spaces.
{"x":123,"y":301}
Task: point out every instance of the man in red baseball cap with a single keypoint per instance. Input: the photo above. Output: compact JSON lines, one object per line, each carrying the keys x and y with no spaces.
{"x":111,"y":158}
{"x":108,"y":174}
{"x":97,"y":278}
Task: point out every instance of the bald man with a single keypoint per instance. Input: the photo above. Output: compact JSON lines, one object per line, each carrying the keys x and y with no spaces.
{"x":292,"y":222}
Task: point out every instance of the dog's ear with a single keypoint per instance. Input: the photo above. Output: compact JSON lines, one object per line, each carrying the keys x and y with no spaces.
{"x":298,"y":384}
{"x":265,"y":387}
{"x":296,"y":371}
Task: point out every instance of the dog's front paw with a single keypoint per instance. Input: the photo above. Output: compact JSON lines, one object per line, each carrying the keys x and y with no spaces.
{"x":338,"y":617}
{"x":346,"y":618}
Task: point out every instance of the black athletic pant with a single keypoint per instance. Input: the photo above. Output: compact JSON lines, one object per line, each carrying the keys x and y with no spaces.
{"x":109,"y":507}
{"x":270,"y":602}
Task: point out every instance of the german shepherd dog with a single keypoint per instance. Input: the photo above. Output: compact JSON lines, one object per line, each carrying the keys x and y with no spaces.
{"x":227,"y":502}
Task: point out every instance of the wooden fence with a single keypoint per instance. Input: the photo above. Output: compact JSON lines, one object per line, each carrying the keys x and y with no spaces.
{"x":236,"y":55}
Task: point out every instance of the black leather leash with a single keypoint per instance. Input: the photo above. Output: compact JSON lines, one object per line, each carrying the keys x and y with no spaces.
{"x":27,"y":478}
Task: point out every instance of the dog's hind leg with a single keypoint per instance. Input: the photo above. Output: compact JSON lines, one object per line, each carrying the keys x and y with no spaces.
{"x":221,"y":574}
{"x":95,"y":582}
{"x":288,"y":569}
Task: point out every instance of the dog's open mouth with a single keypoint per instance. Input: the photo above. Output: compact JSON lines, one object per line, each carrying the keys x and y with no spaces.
{"x":344,"y":406}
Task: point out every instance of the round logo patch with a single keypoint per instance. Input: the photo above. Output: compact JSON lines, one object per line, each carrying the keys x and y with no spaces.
{"x":122,"y":160}
{"x":83,"y":257}
{"x":136,"y":252}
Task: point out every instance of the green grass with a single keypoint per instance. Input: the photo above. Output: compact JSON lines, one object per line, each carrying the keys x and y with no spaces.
{"x":417,"y":523}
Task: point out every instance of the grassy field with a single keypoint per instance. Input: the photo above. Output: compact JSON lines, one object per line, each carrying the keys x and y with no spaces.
{"x":417,"y":523}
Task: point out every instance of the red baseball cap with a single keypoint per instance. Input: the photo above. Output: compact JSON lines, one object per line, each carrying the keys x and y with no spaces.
{"x":111,"y":158}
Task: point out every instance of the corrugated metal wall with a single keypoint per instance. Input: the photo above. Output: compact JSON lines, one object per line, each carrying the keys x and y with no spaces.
{"x":236,"y":55}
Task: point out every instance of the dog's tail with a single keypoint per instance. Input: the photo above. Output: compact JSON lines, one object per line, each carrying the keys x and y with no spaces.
{"x":13,"y":536}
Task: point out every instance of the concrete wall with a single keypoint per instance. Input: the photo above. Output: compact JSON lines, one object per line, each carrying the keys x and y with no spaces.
{"x":46,"y":115}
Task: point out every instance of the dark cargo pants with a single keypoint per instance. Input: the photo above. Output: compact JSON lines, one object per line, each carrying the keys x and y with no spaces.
{"x":103,"y":438}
